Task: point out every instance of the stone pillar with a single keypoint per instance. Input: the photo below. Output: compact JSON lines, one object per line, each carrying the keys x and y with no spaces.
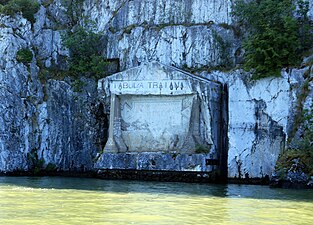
{"x":117,"y":127}
{"x":111,"y":145}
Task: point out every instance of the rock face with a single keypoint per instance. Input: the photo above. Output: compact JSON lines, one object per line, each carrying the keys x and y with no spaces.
{"x":258,"y":116}
{"x":43,"y":120}
{"x":68,"y":126}
{"x":310,"y":13}
{"x":177,"y":45}
{"x":184,"y":33}
{"x":20,"y":94}
{"x":122,"y":14}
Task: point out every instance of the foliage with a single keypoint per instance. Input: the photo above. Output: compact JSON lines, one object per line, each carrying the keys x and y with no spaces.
{"x":27,"y":7}
{"x":275,"y":38}
{"x":301,"y":113}
{"x":51,"y":167}
{"x":305,"y":28}
{"x":224,"y":51}
{"x":36,"y":163}
{"x":202,"y":149}
{"x":78,"y":85}
{"x":85,"y":53}
{"x":74,"y":10}
{"x":24,"y":55}
{"x":307,"y":137}
{"x":304,"y":159}
{"x":303,"y":153}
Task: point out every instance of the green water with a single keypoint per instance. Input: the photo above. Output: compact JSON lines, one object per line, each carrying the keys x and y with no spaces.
{"x":25,"y":200}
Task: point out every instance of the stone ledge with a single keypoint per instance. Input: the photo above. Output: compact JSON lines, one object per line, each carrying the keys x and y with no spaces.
{"x":164,"y":176}
{"x":156,"y":161}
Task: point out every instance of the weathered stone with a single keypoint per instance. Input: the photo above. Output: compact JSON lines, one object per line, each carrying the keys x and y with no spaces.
{"x":186,"y":33}
{"x":258,"y":121}
{"x":157,"y":115}
{"x":159,"y":108}
{"x":68,"y":126}
{"x":49,"y":43}
{"x":195,"y":46}
{"x":154,"y":161}
{"x":122,"y":14}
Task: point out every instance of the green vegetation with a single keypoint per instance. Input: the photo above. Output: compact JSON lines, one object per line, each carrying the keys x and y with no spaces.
{"x":201,"y":149}
{"x":303,"y":159}
{"x":24,"y":55}
{"x":224,"y":51}
{"x":305,"y":27}
{"x":27,"y":7}
{"x":36,"y":163}
{"x":51,"y":167}
{"x":275,"y":38}
{"x":303,"y":152}
{"x":74,"y":10}
{"x":85,"y":54}
{"x":300,"y":112}
{"x":78,"y":85}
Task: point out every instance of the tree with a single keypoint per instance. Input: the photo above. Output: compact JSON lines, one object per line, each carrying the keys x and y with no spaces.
{"x":85,"y":53}
{"x":273,"y":39}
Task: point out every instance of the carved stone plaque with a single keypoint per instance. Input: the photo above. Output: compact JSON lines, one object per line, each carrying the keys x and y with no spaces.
{"x":155,"y":123}
{"x":154,"y":108}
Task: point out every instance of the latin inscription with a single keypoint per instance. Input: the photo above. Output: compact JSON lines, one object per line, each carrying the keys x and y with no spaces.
{"x":165,"y":85}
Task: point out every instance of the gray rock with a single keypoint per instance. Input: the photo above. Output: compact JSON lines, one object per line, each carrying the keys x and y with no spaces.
{"x":155,"y":161}
{"x":122,"y":14}
{"x":47,"y":122}
{"x":194,"y":47}
{"x":68,"y":126}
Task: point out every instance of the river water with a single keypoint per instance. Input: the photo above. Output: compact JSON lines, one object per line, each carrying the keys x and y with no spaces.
{"x":59,"y":200}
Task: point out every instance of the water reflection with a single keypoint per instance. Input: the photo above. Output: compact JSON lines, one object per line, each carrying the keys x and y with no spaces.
{"x":54,"y":200}
{"x":122,"y":186}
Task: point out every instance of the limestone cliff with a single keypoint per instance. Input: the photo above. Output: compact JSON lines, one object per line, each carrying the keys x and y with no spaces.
{"x":45,"y":121}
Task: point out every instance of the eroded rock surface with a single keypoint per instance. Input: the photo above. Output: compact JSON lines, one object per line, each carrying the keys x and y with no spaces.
{"x":44,"y":121}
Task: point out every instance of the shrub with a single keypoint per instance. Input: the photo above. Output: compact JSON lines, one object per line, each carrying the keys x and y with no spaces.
{"x":305,"y":27}
{"x":273,"y":39}
{"x":78,"y":85}
{"x":27,"y":7}
{"x":303,"y":152}
{"x":304,"y":159}
{"x":24,"y":55}
{"x":85,"y":53}
{"x":3,"y":2}
{"x":224,"y":50}
{"x":74,"y":10}
{"x":201,"y":149}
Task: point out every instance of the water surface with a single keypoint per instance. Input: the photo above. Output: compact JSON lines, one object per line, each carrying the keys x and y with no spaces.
{"x":55,"y":200}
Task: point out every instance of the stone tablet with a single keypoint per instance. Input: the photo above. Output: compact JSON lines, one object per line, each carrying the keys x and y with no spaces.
{"x":155,"y":108}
